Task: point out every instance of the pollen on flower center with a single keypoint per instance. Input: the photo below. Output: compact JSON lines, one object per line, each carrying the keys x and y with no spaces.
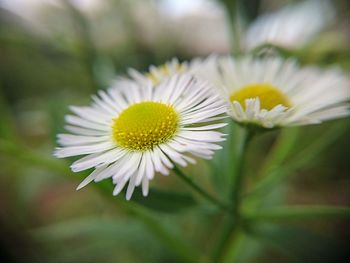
{"x":268,"y":95}
{"x":144,"y":125}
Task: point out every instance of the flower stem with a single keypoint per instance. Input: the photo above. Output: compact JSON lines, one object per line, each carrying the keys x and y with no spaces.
{"x":201,"y":191}
{"x":7,"y":131}
{"x":236,"y":186}
{"x":233,"y":12}
{"x":87,"y":49}
{"x":233,"y":223}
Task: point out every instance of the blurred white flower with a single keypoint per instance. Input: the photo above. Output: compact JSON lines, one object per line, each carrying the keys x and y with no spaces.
{"x":199,"y":27}
{"x":198,"y":67}
{"x":52,"y":20}
{"x":181,"y":8}
{"x":132,"y":132}
{"x":273,"y":92}
{"x":33,"y":11}
{"x":29,"y":10}
{"x":196,"y":27}
{"x":292,"y":26}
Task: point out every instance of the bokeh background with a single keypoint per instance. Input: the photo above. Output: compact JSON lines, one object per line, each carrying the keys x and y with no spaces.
{"x":57,"y":53}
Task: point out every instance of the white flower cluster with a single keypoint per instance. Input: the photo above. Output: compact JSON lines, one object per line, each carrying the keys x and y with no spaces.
{"x":148,"y":122}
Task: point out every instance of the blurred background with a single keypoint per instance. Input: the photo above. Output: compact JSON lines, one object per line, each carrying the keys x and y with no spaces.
{"x":55,"y":53}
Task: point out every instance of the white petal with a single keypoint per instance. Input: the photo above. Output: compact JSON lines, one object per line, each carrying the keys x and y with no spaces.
{"x":145,"y":186}
{"x":91,"y":177}
{"x":80,"y":150}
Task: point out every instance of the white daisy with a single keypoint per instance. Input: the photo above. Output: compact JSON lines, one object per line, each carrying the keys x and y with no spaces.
{"x":130,"y":133}
{"x":292,"y":26}
{"x":156,"y":74}
{"x":273,"y":92}
{"x":198,"y":67}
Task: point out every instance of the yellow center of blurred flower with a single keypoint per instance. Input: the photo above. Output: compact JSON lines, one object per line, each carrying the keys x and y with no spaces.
{"x":268,"y":95}
{"x":145,"y":125}
{"x":163,"y":71}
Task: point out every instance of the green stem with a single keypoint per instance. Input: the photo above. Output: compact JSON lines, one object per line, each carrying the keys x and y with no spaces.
{"x":87,"y":49}
{"x":284,"y":52}
{"x":298,"y":213}
{"x":225,"y":235}
{"x":201,"y":191}
{"x":236,"y":186}
{"x":232,"y":7}
{"x":7,"y":128}
{"x":236,"y":28}
{"x":233,"y":224}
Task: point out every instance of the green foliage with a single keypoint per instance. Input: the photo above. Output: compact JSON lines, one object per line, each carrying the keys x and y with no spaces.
{"x":104,"y":240}
{"x":165,"y":201}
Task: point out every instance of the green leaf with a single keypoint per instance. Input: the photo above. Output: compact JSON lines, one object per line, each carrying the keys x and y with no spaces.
{"x":159,"y":200}
{"x":164,"y":200}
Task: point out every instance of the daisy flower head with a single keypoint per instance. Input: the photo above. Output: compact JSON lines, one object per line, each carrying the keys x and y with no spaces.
{"x":157,"y":74}
{"x":272,"y":92}
{"x":292,"y":26}
{"x":129,"y":133}
{"x":198,"y":67}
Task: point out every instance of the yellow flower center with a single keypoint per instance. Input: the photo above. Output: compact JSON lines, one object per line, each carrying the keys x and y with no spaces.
{"x":268,"y":95}
{"x":164,"y":71}
{"x":144,"y":125}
